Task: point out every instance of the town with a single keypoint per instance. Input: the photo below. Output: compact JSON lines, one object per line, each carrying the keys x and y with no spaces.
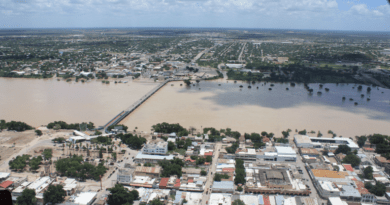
{"x":175,"y":165}
{"x":117,"y":162}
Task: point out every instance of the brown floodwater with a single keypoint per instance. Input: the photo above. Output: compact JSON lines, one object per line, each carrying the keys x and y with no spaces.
{"x":256,"y":110}
{"x":38,"y":102}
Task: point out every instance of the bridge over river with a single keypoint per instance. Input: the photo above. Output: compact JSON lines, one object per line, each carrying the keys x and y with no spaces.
{"x":119,"y":117}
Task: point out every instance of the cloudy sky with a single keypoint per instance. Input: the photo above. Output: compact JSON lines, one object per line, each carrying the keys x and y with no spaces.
{"x":357,"y":15}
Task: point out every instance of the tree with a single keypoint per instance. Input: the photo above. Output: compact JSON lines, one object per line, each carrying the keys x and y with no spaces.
{"x":319,"y":134}
{"x":285,"y":134}
{"x":209,"y":159}
{"x":361,"y":141}
{"x":47,"y":153}
{"x":187,"y":82}
{"x":238,"y":202}
{"x":239,"y":188}
{"x":121,"y":195}
{"x":343,"y":149}
{"x":368,"y":172}
{"x":263,"y":133}
{"x":156,"y":201}
{"x":352,"y":159}
{"x":302,"y":132}
{"x":171,"y":145}
{"x":100,"y":154}
{"x":38,"y":132}
{"x":57,"y":127}
{"x":27,"y":197}
{"x":379,"y":189}
{"x":54,"y":194}
{"x":114,"y":155}
{"x":203,"y":173}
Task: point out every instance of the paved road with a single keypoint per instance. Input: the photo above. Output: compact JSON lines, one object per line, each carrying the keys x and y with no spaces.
{"x":210,"y":177}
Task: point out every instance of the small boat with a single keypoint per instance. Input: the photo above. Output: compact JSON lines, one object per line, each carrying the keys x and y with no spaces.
{"x":287,"y":89}
{"x":327,"y":89}
{"x":269,"y":88}
{"x":241,"y":86}
{"x":249,"y":86}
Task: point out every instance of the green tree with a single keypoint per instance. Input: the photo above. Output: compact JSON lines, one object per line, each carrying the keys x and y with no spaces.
{"x":121,"y":195}
{"x":352,"y":159}
{"x":171,"y":145}
{"x":239,"y":188}
{"x":113,"y":155}
{"x":209,"y":159}
{"x":38,"y":132}
{"x":263,"y":133}
{"x":379,"y":189}
{"x":343,"y":149}
{"x":302,"y":132}
{"x":238,"y":202}
{"x":100,"y":154}
{"x":368,"y":172}
{"x":54,"y":194}
{"x":27,"y":198}
{"x":156,"y":201}
{"x":319,"y":134}
{"x":187,"y":82}
{"x":361,"y":141}
{"x":47,"y":153}
{"x":203,"y":173}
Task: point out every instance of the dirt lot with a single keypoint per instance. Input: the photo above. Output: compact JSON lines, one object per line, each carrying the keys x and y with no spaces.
{"x":7,"y":151}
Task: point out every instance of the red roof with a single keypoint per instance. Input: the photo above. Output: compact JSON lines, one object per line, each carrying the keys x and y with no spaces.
{"x":368,"y":148}
{"x":348,"y":167}
{"x":265,"y":139}
{"x":177,"y":183}
{"x":190,"y":181}
{"x":6,"y":184}
{"x":228,"y":169}
{"x":189,"y":159}
{"x":266,"y":200}
{"x":207,"y":163}
{"x":164,"y":182}
{"x":208,"y":154}
{"x":360,"y":187}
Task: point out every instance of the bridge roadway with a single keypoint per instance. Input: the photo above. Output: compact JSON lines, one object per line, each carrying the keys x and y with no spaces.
{"x":135,"y":105}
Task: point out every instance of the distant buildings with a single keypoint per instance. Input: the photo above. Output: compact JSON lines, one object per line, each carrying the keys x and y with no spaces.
{"x":304,"y":141}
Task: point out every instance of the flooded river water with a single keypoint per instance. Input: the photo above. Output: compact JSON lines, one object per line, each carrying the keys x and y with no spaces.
{"x":207,"y":104}
{"x":255,"y":110}
{"x":38,"y":102}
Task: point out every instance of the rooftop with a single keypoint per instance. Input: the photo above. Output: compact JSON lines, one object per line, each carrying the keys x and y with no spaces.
{"x":6,"y":184}
{"x":85,"y":198}
{"x":223,"y":185}
{"x":328,"y":173}
{"x":153,"y":170}
{"x":158,"y":157}
{"x":285,"y":150}
{"x":220,"y":199}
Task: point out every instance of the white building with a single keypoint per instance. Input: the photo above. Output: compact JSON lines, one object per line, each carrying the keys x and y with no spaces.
{"x":304,"y":141}
{"x":220,"y":199}
{"x":84,"y":198}
{"x":156,"y":148}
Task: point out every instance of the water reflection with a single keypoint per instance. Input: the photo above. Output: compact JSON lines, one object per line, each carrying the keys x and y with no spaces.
{"x":231,"y":95}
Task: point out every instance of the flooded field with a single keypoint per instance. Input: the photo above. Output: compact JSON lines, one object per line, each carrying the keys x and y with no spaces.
{"x":38,"y":102}
{"x":255,"y":110}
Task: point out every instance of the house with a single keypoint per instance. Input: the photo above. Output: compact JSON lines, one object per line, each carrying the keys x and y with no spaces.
{"x":155,"y":148}
{"x":381,"y":161}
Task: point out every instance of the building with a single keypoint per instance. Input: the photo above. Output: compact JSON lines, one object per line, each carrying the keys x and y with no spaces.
{"x":275,"y":180}
{"x":309,"y":152}
{"x":154,"y":159}
{"x":220,"y":199}
{"x":39,"y":185}
{"x":286,"y":154}
{"x":381,"y":161}
{"x":125,"y":176}
{"x":304,"y":141}
{"x":84,"y":198}
{"x":223,"y":187}
{"x":148,"y":171}
{"x":155,"y":148}
{"x":4,"y":176}
{"x":246,"y":154}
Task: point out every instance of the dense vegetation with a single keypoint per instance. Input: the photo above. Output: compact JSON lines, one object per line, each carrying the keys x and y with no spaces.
{"x":13,"y":125}
{"x":77,"y":168}
{"x":27,"y":197}
{"x":19,"y":162}
{"x":121,"y":195}
{"x":171,"y":167}
{"x":382,"y":144}
{"x":58,"y":140}
{"x":379,"y":189}
{"x":54,"y":194}
{"x":34,"y":163}
{"x":240,"y":172}
{"x":201,"y":160}
{"x":256,"y":139}
{"x":219,"y":177}
{"x":169,"y":128}
{"x":101,"y":140}
{"x":63,"y":125}
{"x":133,"y":141}
{"x":244,"y":76}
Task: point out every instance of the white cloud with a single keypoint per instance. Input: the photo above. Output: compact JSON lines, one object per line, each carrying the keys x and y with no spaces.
{"x":301,"y":14}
